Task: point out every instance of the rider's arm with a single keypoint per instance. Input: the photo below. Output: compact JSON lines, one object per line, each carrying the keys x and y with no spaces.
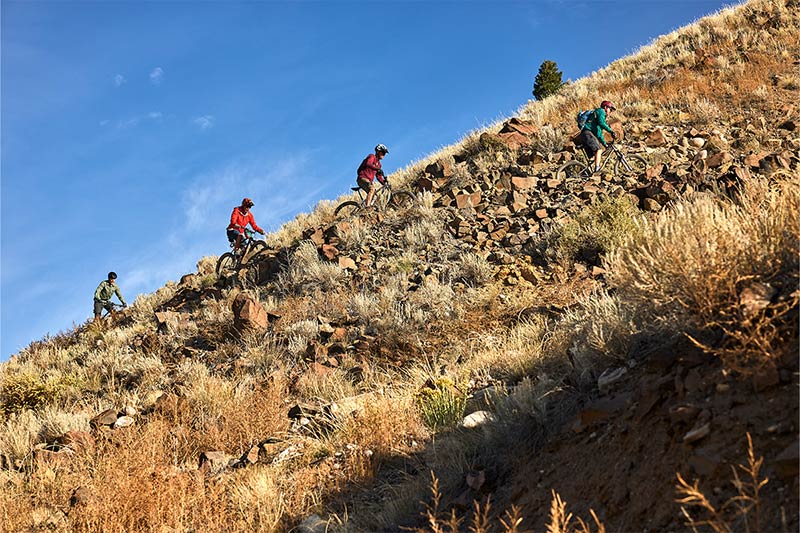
{"x":381,"y":176}
{"x":252,"y":221}
{"x":97,"y":295}
{"x":601,"y":121}
{"x":119,"y":295}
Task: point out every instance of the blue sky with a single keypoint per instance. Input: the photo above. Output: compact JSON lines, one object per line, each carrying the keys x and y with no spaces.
{"x":129,"y":130}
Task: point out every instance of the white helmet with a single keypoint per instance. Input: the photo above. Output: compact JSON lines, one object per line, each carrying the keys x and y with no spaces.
{"x":382,"y":148}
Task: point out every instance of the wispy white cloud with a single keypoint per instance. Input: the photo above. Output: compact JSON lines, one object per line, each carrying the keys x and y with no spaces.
{"x":156,"y":75}
{"x":279,"y":188}
{"x":154,"y":115}
{"x":104,"y":122}
{"x":119,"y":80}
{"x":205,"y":122}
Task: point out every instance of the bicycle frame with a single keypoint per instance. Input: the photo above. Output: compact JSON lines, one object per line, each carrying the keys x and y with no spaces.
{"x":378,"y":197}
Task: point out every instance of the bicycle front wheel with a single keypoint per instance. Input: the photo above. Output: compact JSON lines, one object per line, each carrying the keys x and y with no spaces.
{"x":256,"y":249}
{"x":630,"y":166}
{"x":347,"y":209}
{"x":226,"y":264}
{"x":572,"y":170}
{"x":401,"y":200}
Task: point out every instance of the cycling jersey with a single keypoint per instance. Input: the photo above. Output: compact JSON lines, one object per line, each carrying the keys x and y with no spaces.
{"x":241,"y":220}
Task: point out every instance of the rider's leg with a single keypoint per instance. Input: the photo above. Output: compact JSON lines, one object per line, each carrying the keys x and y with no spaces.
{"x":98,"y":309}
{"x":597,"y":157}
{"x":369,"y":187}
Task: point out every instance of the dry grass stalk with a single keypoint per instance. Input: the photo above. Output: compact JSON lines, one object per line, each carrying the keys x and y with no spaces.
{"x":724,"y":519}
{"x":562,"y":522}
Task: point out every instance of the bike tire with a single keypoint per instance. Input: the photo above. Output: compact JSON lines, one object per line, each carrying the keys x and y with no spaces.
{"x":401,"y":200}
{"x":256,"y":249}
{"x":226,"y":264}
{"x":347,"y":209}
{"x":638,"y":166}
{"x":572,"y":170}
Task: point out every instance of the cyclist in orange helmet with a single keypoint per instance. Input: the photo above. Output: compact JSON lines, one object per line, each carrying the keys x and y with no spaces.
{"x":240,"y":218}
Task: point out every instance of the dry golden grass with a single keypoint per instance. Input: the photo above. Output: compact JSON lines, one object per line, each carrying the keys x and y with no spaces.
{"x":743,"y":509}
{"x":697,"y":261}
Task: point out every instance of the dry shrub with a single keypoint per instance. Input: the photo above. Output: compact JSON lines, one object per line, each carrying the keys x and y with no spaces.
{"x":736,"y":510}
{"x":697,"y":263}
{"x":470,"y":269}
{"x":307,"y":272}
{"x":593,"y":232}
{"x":441,"y":403}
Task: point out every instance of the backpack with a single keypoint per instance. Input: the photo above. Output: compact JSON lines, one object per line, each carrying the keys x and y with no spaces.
{"x":583,"y":117}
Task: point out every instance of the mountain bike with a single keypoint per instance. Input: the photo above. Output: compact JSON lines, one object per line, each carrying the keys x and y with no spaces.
{"x":115,"y":308}
{"x":233,"y":261}
{"x":384,"y":199}
{"x":625,"y":165}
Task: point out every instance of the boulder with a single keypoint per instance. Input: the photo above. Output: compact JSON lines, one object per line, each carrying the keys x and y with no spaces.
{"x":520,"y":182}
{"x":248,"y":313}
{"x":440,"y":169}
{"x":106,"y":418}
{"x":123,"y":422}
{"x":347,"y":263}
{"x":477,"y":419}
{"x":656,"y":138}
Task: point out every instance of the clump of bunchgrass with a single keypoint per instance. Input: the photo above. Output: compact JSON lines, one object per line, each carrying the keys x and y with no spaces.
{"x":441,"y":403}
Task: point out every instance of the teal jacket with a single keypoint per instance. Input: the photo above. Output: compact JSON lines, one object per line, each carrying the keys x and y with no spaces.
{"x":597,"y":123}
{"x":106,"y":290}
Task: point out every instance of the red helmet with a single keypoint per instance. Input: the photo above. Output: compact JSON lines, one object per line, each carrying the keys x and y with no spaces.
{"x":247,"y":202}
{"x":606,"y":103}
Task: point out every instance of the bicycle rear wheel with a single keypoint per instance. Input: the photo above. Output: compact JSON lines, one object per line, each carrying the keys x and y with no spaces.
{"x":401,"y":200}
{"x":572,"y":170}
{"x":347,"y":209}
{"x":630,"y":166}
{"x":226,"y":264}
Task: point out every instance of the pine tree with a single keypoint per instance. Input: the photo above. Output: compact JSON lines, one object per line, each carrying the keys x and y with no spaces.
{"x":548,"y":80}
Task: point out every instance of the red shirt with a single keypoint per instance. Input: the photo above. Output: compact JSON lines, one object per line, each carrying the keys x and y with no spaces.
{"x":369,"y":167}
{"x":240,"y":219}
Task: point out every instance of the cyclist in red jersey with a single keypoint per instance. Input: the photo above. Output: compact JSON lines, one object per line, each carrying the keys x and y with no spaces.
{"x":369,"y":169}
{"x":240,"y":218}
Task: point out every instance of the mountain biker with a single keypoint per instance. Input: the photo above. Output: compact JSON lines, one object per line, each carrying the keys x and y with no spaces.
{"x":240,"y":217}
{"x":103,"y":294}
{"x":370,"y":168}
{"x":591,"y":136}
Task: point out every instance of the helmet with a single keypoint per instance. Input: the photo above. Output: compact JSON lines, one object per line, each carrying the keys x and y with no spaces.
{"x":382,"y":148}
{"x":606,"y":103}
{"x":247,"y":202}
{"x":112,"y":275}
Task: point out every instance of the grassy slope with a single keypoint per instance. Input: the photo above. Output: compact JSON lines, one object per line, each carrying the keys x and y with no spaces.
{"x":429,"y":308}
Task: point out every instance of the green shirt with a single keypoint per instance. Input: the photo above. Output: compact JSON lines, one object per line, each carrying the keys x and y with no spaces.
{"x":106,"y":290}
{"x":597,"y":123}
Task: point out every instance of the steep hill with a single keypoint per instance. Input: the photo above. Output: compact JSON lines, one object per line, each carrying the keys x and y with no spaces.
{"x":521,"y":344}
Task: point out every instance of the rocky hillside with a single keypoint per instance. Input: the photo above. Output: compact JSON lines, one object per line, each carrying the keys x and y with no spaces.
{"x":522,"y":344}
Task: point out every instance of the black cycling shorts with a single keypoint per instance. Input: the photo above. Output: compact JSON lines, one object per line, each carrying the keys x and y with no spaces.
{"x":590,"y":143}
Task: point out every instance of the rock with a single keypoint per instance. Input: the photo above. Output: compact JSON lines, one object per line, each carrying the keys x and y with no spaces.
{"x":516,"y":125}
{"x":789,"y":125}
{"x":248,"y":313}
{"x":719,"y":159}
{"x":756,"y":297}
{"x":520,"y":182}
{"x":106,"y":418}
{"x":477,"y":419}
{"x":213,"y":462}
{"x":330,"y":251}
{"x":787,"y":462}
{"x":648,"y":204}
{"x":79,"y":441}
{"x":514,"y":140}
{"x":150,"y":399}
{"x":475,"y":479}
{"x":347,"y":263}
{"x":754,"y":160}
{"x":52,"y":459}
{"x":656,"y":138}
{"x":440,"y":169}
{"x":766,"y":377}
{"x":684,"y":414}
{"x":312,"y":524}
{"x":250,"y":457}
{"x":697,"y":433}
{"x":81,"y":496}
{"x":609,"y":377}
{"x":697,"y":142}
{"x":131,"y":410}
{"x":123,"y":422}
